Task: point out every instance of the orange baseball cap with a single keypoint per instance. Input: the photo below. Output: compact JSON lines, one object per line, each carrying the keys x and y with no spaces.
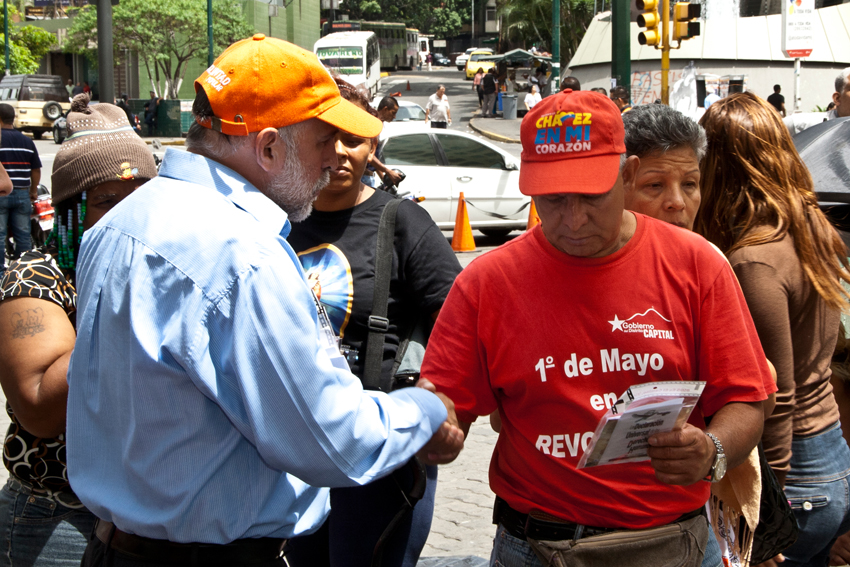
{"x":571,"y":143}
{"x":263,"y":82}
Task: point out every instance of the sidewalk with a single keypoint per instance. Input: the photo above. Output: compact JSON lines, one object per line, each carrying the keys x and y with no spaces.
{"x":497,"y":129}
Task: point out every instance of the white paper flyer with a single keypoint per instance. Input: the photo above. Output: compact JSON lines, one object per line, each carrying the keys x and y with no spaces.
{"x":642,"y":411}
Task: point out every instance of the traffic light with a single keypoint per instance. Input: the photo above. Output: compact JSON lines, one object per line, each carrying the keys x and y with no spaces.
{"x":650,"y":20}
{"x":683,"y":27}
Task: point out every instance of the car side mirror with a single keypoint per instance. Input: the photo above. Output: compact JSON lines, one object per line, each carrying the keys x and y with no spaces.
{"x":511,"y":166}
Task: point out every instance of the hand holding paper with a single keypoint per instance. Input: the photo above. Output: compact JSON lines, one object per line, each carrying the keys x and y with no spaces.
{"x":681,"y":457}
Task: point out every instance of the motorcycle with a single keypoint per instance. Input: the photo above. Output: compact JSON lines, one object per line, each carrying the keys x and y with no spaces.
{"x":41,"y":222}
{"x":391,"y":188}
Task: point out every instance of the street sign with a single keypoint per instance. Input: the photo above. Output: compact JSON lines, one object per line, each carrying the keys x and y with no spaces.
{"x":439,"y":43}
{"x":797,"y":28}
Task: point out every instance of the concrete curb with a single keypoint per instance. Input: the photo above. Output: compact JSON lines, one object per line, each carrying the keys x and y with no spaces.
{"x":492,"y":135}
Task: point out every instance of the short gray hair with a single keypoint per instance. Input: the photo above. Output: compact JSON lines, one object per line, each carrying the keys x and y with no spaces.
{"x":218,"y":146}
{"x":841,"y":80}
{"x":657,"y":128}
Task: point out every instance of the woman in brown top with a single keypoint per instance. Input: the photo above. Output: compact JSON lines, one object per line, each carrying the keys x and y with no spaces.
{"x":760,"y":209}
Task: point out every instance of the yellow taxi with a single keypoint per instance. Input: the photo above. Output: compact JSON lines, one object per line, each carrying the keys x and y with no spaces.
{"x":474,"y":63}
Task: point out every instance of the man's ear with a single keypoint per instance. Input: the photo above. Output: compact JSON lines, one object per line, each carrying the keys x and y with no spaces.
{"x":630,"y":169}
{"x":836,"y":98}
{"x":373,"y":148}
{"x":267,"y":150}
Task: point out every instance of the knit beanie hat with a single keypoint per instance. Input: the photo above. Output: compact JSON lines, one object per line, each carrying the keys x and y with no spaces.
{"x":101,"y":146}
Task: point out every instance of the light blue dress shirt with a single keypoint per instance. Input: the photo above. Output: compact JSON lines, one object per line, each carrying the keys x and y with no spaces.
{"x":202,"y":406}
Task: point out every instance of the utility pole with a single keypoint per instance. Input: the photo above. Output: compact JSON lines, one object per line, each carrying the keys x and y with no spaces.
{"x":665,"y":52}
{"x":209,"y":33}
{"x":621,"y":55}
{"x":683,"y":28}
{"x":473,"y":22}
{"x":6,"y":34}
{"x":105,"y":76}
{"x":554,"y":79}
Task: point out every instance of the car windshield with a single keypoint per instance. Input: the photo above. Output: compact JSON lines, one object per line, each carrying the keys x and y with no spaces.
{"x":406,"y":113}
{"x":345,"y":60}
{"x":478,"y":56}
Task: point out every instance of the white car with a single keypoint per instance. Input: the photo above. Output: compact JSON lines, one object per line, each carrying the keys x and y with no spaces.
{"x":440,"y":164}
{"x":462,"y":59}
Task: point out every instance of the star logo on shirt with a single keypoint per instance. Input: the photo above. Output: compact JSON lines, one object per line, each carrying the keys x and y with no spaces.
{"x":617,"y":323}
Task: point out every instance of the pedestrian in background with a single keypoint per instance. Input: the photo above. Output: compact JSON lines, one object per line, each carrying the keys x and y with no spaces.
{"x":620,"y":96}
{"x":346,"y":216}
{"x":760,"y":209}
{"x":532,"y":98}
{"x":777,"y":100}
{"x":570,"y":83}
{"x":205,"y":369}
{"x":429,"y":59}
{"x":711,"y":97}
{"x":841,"y":96}
{"x":44,"y":521}
{"x":151,"y":111}
{"x":489,"y":87}
{"x":437,"y":110}
{"x":20,"y":159}
{"x":476,"y":85}
{"x":70,"y":88}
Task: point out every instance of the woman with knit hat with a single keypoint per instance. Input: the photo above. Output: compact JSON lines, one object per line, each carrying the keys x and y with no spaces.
{"x":100,"y":162}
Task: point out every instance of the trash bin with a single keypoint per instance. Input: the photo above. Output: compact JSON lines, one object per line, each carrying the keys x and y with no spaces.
{"x":509,"y":106}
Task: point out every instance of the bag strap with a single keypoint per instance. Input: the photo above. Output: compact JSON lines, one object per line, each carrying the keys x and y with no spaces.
{"x":378,"y":323}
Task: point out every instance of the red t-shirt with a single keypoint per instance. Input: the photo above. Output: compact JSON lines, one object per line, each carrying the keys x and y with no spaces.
{"x":552,"y":340}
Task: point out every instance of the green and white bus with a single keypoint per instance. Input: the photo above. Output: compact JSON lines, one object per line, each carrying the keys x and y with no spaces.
{"x":355,"y":55}
{"x":393,"y":39}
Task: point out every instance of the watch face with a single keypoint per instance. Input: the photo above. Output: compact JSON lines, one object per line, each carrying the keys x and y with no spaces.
{"x":719,"y":468}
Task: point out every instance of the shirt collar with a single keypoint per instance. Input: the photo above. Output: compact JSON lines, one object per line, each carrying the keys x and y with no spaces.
{"x":200,"y":170}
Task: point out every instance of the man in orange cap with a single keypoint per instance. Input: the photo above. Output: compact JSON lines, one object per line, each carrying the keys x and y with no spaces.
{"x":208,"y":400}
{"x":551,"y":328}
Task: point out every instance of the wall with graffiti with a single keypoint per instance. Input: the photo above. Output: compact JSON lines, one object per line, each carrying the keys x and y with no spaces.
{"x":646,"y":85}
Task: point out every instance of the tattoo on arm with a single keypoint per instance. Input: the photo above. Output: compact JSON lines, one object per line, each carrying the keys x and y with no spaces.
{"x":27,"y":323}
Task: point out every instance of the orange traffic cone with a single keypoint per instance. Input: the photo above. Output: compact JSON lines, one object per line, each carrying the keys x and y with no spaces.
{"x":408,"y":85}
{"x":462,"y":240}
{"x":533,"y":218}
{"x":396,"y":94}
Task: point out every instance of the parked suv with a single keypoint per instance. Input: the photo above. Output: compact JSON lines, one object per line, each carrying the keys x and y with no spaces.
{"x":38,"y":100}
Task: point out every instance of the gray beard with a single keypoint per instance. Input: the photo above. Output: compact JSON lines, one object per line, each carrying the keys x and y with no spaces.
{"x":293,"y":192}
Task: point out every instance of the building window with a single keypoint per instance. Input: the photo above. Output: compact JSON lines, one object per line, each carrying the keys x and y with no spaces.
{"x":491,"y":14}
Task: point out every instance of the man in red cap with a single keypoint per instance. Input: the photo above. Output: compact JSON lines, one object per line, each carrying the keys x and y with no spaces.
{"x":550,"y":329}
{"x":208,"y":400}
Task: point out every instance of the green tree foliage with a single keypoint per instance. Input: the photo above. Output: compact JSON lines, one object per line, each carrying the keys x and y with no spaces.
{"x":442,"y":18}
{"x":27,"y":45}
{"x":529,"y":22}
{"x":167,"y":35}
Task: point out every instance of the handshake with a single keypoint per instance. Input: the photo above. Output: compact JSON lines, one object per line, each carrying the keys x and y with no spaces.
{"x":445,"y":445}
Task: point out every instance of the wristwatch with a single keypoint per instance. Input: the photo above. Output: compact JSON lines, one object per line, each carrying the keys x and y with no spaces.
{"x":718,"y":469}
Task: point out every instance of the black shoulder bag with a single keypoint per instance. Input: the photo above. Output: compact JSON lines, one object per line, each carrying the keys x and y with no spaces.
{"x":405,"y":368}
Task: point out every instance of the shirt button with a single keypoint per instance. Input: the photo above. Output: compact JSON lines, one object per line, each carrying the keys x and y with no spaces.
{"x":807,"y":506}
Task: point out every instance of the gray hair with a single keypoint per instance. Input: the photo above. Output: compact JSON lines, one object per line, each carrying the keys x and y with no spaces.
{"x":657,"y":128}
{"x":218,"y":146}
{"x":841,"y":80}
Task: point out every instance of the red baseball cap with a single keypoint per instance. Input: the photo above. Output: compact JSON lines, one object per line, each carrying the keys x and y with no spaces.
{"x":571,"y":143}
{"x":263,"y":82}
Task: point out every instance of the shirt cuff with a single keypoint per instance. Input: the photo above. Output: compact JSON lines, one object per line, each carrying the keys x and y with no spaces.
{"x":432,"y":407}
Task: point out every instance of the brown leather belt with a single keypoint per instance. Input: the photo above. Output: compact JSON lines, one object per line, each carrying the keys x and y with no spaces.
{"x":239,"y":552}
